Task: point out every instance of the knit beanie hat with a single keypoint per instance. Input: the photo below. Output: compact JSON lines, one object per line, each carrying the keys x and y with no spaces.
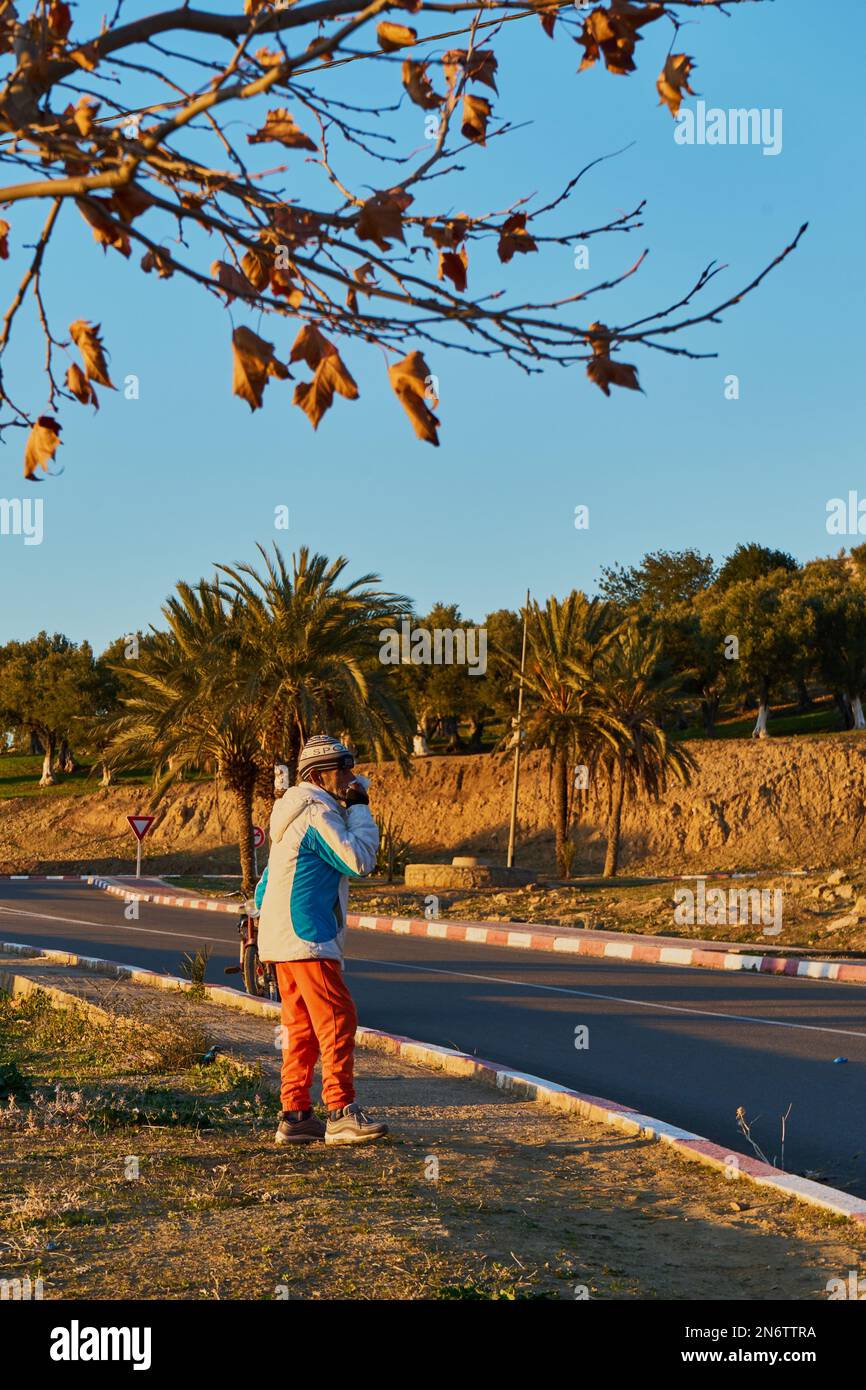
{"x":321,"y":753}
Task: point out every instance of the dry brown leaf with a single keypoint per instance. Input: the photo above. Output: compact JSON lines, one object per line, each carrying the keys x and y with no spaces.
{"x":76,"y":167}
{"x":674,"y":80}
{"x":4,"y":240}
{"x":256,"y":266}
{"x":42,"y":443}
{"x":409,"y":379}
{"x":159,"y":261}
{"x":418,"y":85}
{"x":192,"y":203}
{"x":85,"y":336}
{"x":254,"y":362}
{"x":59,"y":19}
{"x":96,"y":212}
{"x":80,"y":387}
{"x":381,"y":218}
{"x":454,"y":264}
{"x":317,"y":396}
{"x":280,"y":126}
{"x":480,"y":65}
{"x":231,"y":281}
{"x":310,"y":346}
{"x":605,"y":370}
{"x":449,"y":236}
{"x":514,"y":238}
{"x":284,"y":286}
{"x":612,"y":34}
{"x":476,"y":113}
{"x":393,"y":36}
{"x":290,"y":224}
{"x":365,"y":276}
{"x":130,"y":201}
{"x":84,"y":114}
{"x":548,"y":22}
{"x":268,"y":57}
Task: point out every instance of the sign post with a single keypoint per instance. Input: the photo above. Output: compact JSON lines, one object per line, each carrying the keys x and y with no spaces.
{"x":258,"y":841}
{"x":140,"y":826}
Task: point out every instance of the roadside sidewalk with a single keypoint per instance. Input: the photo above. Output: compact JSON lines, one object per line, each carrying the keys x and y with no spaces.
{"x":477,"y":1191}
{"x":576,"y":1104}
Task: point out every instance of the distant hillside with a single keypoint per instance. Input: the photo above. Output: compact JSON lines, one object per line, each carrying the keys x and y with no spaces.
{"x":782,"y":802}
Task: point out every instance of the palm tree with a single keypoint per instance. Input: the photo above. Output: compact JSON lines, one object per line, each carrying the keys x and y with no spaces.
{"x":565,"y":717}
{"x":188,"y":706}
{"x":638,"y":693}
{"x":314,"y":644}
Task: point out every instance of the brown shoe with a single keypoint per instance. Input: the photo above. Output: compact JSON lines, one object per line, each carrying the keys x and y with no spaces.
{"x":303,"y":1130}
{"x":352,"y":1126}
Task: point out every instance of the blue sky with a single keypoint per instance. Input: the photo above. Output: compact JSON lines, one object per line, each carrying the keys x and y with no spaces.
{"x":159,"y":489}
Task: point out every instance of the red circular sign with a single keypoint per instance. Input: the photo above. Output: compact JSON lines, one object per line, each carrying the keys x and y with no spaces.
{"x":258,"y":837}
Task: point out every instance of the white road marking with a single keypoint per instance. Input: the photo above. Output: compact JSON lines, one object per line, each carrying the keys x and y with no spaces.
{"x":610,"y":998}
{"x":113,"y":926}
{"x":466,"y":975}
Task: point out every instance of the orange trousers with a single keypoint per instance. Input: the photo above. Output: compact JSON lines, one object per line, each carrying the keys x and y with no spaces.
{"x":318,"y":1016}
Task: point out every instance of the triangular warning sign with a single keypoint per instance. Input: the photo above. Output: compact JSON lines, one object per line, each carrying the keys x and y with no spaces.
{"x":140,"y":825}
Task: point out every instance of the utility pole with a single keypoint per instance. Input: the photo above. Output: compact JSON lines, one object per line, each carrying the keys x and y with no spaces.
{"x":516,"y":781}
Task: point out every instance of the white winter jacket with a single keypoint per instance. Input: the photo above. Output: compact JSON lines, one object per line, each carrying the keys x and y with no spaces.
{"x":317,"y":844}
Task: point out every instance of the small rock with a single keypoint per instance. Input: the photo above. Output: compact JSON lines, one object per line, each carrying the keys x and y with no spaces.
{"x":837,"y":876}
{"x":840,"y":923}
{"x":844,"y":891}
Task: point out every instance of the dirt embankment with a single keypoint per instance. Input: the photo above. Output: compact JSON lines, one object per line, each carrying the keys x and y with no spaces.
{"x":777,"y":803}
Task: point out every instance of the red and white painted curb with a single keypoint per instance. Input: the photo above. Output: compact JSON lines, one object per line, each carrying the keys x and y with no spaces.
{"x":42,"y":878}
{"x":683,"y":1142}
{"x":580,"y":942}
{"x":130,"y":892}
{"x":577,"y":942}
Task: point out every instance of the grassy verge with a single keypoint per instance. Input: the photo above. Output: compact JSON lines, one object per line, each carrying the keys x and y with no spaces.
{"x":19,"y":776}
{"x":20,"y":773}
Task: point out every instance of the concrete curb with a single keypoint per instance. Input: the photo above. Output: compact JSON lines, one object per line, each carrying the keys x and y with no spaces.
{"x":622,"y":1117}
{"x":162,"y":899}
{"x":20,"y":986}
{"x":628,"y":948}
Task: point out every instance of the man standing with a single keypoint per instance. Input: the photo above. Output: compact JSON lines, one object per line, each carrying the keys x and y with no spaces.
{"x":322,"y":833}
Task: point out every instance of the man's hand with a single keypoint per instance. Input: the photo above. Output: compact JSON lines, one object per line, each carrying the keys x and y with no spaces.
{"x":356,"y":794}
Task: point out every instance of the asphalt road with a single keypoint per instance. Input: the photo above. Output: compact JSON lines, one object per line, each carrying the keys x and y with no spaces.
{"x":687,"y":1046}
